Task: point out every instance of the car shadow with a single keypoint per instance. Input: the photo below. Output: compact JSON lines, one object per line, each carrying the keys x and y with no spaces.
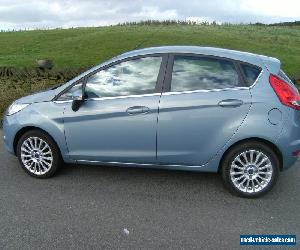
{"x":169,"y":183}
{"x":146,"y":180}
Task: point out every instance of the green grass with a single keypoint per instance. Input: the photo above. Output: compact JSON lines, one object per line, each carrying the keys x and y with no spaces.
{"x":85,"y":47}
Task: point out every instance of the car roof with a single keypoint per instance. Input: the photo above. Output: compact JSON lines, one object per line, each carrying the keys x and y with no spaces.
{"x":272,"y":64}
{"x":247,"y":57}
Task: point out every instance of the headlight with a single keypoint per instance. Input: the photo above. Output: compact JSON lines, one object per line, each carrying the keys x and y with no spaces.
{"x":15,"y":107}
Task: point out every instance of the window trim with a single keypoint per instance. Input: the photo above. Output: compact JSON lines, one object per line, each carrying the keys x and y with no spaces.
{"x":168,"y":77}
{"x":157,"y":89}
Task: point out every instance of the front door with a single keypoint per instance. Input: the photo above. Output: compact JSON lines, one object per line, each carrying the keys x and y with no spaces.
{"x":118,"y":120}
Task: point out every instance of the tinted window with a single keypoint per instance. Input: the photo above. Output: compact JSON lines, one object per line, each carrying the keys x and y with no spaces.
{"x":133,"y":77}
{"x":197,"y":73}
{"x":251,"y":73}
{"x":75,"y":90}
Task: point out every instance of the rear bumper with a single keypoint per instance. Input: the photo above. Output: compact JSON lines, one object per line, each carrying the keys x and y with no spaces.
{"x":288,"y":158}
{"x":289,"y":142}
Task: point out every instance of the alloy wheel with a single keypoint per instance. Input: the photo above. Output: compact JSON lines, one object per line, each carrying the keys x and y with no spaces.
{"x":36,"y":155}
{"x":251,"y":171}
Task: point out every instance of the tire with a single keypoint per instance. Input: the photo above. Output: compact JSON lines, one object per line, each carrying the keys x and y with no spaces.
{"x":254,"y":177}
{"x":38,"y":154}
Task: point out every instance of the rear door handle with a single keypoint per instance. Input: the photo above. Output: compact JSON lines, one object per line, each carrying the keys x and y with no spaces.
{"x":230,"y":103}
{"x":137,"y":110}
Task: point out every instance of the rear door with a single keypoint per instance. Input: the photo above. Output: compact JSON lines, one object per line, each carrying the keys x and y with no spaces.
{"x":204,"y":103}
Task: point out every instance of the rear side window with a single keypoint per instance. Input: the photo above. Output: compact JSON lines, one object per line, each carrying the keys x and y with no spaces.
{"x":203,"y":73}
{"x":251,"y":73}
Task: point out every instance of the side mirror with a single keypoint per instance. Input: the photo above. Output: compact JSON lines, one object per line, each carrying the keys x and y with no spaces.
{"x":77,"y":100}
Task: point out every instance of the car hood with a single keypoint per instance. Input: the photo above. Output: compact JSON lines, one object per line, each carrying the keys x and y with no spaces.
{"x":42,"y":96}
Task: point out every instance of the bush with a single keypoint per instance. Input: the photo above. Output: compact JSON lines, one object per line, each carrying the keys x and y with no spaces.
{"x":15,"y":83}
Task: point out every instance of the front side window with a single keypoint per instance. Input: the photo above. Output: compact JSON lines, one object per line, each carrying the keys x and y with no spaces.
{"x":75,"y":90}
{"x":203,"y":73}
{"x":134,"y":77}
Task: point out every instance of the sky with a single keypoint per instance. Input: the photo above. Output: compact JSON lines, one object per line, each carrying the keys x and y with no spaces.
{"x":31,"y":14}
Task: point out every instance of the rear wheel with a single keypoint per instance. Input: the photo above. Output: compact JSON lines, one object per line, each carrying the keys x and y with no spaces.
{"x":250,"y":169}
{"x":38,"y":154}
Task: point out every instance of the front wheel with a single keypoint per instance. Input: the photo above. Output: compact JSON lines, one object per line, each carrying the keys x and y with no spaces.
{"x":250,"y":169}
{"x":38,"y":154}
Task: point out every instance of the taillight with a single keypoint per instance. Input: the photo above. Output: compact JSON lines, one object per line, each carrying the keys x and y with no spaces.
{"x":286,"y":94}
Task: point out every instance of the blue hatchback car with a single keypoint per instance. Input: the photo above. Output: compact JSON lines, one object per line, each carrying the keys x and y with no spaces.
{"x":176,"y":107}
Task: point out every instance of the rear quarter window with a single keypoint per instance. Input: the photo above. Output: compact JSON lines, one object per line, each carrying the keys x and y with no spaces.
{"x":250,"y":73}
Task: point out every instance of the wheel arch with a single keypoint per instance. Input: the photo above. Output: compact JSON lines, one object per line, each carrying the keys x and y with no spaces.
{"x":24,"y":130}
{"x":268,"y":143}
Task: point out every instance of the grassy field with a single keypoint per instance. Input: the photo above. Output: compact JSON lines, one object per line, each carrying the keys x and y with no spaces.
{"x":84,"y":47}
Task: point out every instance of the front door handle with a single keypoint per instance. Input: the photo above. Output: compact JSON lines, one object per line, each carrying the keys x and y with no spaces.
{"x":137,"y":110}
{"x":230,"y":103}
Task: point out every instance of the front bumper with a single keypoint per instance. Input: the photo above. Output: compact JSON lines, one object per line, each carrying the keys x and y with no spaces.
{"x":10,"y":129}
